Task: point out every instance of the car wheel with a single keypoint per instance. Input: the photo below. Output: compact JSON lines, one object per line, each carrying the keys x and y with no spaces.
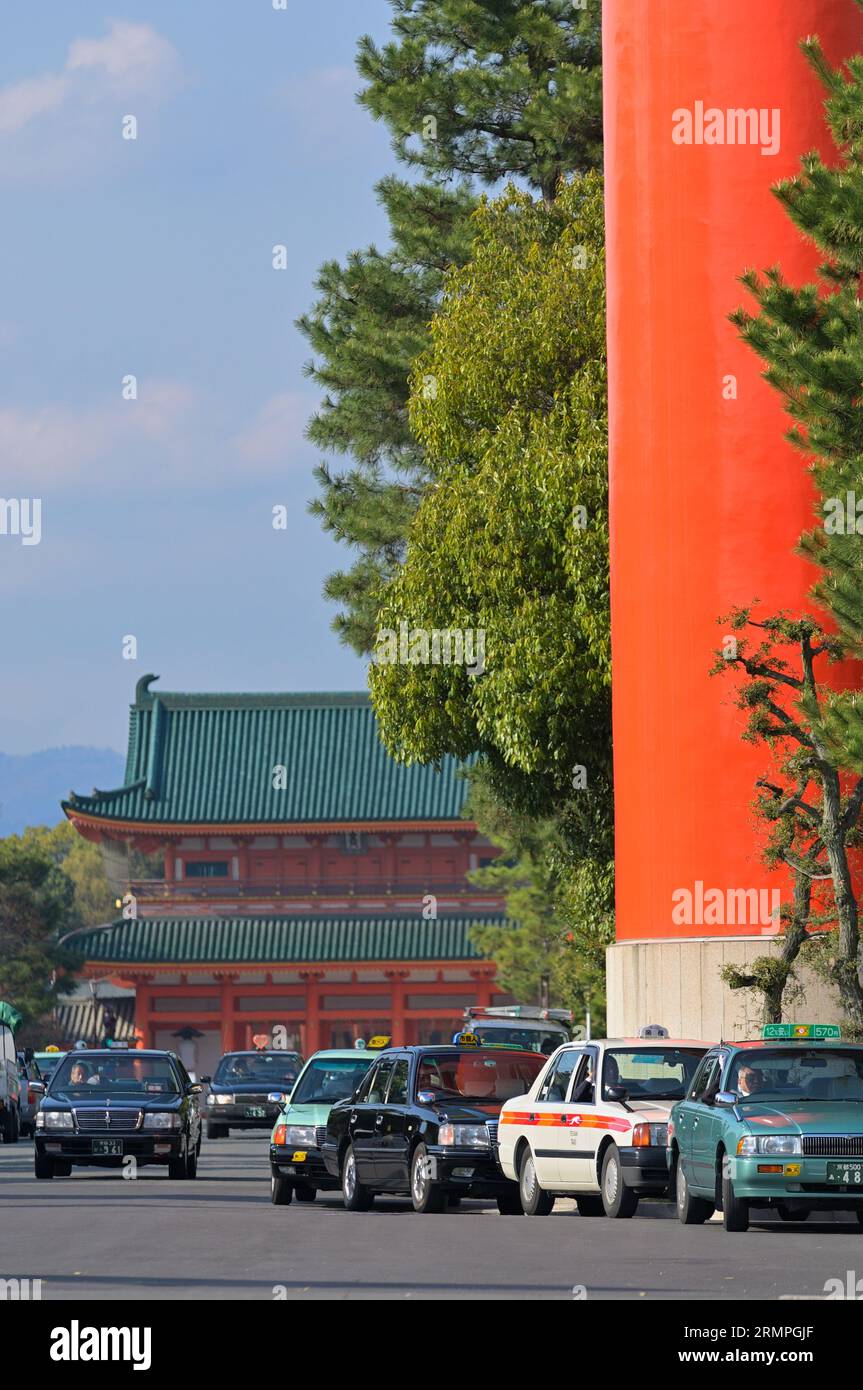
{"x":44,"y":1166}
{"x":787,"y":1213}
{"x":426,"y":1195}
{"x":735,"y":1212}
{"x":305,"y":1194}
{"x":355,"y":1195}
{"x":217,"y":1131}
{"x":192,"y":1162}
{"x":62,"y":1168}
{"x":510,"y":1204}
{"x":692,"y":1211}
{"x":590,"y":1206}
{"x":860,"y":1216}
{"x":179,"y":1167}
{"x":617,"y":1198}
{"x":281,"y":1191}
{"x":535,"y":1201}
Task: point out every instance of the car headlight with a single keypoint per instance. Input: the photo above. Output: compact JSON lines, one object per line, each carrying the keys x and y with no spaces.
{"x":221,"y":1099}
{"x":55,"y":1119}
{"x":644,"y":1135}
{"x":464,"y":1136}
{"x":161,"y":1119}
{"x":300,"y":1136}
{"x":769,"y":1144}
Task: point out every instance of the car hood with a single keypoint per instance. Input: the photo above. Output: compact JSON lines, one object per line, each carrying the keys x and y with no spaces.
{"x":818,"y":1117}
{"x":311,"y":1114}
{"x":112,"y":1103}
{"x":250,"y":1088}
{"x":652,"y":1111}
{"x":473,"y":1112}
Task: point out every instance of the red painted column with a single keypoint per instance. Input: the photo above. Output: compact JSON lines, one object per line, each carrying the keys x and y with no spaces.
{"x":707,"y":499}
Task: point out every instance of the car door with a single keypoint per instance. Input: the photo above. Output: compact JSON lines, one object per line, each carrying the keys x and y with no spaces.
{"x":580,"y":1136}
{"x":394,"y":1134}
{"x":365,"y":1123}
{"x":693,"y":1125}
{"x":547,"y":1122}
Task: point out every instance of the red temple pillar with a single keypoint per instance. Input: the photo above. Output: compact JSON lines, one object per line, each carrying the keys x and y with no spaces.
{"x":707,"y":499}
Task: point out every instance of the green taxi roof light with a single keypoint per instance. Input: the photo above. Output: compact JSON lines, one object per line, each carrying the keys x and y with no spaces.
{"x":812,"y":1032}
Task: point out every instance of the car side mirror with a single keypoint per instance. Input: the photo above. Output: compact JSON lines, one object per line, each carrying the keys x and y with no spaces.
{"x":726,"y":1098}
{"x":195,"y":1089}
{"x":618,"y":1093}
{"x":37,"y":1087}
{"x":425,"y":1097}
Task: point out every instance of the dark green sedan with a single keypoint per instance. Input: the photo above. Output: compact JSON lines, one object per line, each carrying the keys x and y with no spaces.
{"x":774,"y":1124}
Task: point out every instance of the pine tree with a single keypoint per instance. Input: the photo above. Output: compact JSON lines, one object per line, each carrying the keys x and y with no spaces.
{"x":472,"y":90}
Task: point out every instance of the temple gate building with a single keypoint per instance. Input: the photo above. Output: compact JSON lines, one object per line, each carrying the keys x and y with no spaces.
{"x":310,"y":883}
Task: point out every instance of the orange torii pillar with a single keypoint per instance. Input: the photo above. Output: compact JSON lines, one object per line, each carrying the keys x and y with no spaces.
{"x":706,"y":106}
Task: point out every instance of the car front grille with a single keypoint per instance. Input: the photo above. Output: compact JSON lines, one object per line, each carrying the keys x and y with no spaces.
{"x":105,"y":1120}
{"x":320,"y":1135}
{"x":833,"y":1145}
{"x":243,"y":1099}
{"x":491,"y":1126}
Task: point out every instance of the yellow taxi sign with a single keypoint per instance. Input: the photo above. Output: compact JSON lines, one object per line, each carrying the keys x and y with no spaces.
{"x":467,"y":1039}
{"x":52,"y":1047}
{"x":375,"y":1044}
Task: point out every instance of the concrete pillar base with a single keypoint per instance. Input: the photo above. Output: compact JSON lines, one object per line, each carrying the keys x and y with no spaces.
{"x":677,"y":984}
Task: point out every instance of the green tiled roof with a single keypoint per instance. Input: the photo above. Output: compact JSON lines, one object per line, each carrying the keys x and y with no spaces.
{"x":210,"y":759}
{"x":187,"y":940}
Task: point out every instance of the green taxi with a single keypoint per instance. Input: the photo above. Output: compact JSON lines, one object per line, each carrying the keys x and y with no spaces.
{"x":296,"y":1166}
{"x":776,"y":1124}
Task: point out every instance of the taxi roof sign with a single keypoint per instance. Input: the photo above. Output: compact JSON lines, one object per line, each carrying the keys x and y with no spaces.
{"x":379,"y":1041}
{"x":467,"y":1039}
{"x":814,"y":1032}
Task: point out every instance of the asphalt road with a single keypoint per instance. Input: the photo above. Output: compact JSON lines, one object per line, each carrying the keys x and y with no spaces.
{"x":96,"y":1236}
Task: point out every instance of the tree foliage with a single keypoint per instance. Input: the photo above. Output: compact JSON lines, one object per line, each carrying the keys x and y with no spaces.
{"x":37,"y":905}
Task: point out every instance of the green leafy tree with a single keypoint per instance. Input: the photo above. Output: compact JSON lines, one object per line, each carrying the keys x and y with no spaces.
{"x":81,"y":862}
{"x":510,"y":544}
{"x":490,"y":89}
{"x":37,"y":906}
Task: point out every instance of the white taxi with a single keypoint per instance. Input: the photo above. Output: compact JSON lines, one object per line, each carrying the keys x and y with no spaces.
{"x":593,"y":1125}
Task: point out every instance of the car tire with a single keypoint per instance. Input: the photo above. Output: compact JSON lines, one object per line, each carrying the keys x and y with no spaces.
{"x":44,"y":1166}
{"x":62,"y":1168}
{"x":535,"y":1201}
{"x":426,"y":1195}
{"x":192,"y":1162}
{"x":217,"y":1131}
{"x":617,"y":1199}
{"x":735,"y":1211}
{"x":355,"y":1195}
{"x":590,"y":1206}
{"x":510,"y":1204}
{"x":691,"y":1210}
{"x":281,"y":1190}
{"x":305,"y":1194}
{"x":178,"y":1168}
{"x":787,"y":1213}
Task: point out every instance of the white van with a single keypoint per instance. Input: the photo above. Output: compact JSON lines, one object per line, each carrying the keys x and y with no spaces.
{"x":10,"y":1087}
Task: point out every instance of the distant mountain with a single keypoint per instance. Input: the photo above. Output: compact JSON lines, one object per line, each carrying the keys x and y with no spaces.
{"x":33,"y":785}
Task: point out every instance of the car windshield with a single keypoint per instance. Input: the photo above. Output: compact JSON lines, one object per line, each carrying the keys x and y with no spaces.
{"x":237,"y":1067}
{"x":654,"y":1073}
{"x":328,"y":1079}
{"x":474,"y":1074}
{"x":49,"y":1064}
{"x":114,"y":1075}
{"x":797,"y":1073}
{"x":546,"y":1039}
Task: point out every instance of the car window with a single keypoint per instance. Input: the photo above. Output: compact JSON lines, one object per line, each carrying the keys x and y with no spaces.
{"x":378,"y":1088}
{"x":398,"y":1091}
{"x":705,"y":1076}
{"x":654,"y":1072}
{"x":330,"y":1079}
{"x":798,"y":1073}
{"x":556,"y":1083}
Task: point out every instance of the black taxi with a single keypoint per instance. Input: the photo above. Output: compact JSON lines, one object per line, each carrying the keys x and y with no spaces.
{"x":423,"y":1123}
{"x":105,"y":1105}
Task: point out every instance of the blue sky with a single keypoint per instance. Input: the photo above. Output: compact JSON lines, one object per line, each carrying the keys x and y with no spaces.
{"x":153,"y":257}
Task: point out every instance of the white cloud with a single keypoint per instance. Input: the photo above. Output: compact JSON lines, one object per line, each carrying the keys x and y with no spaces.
{"x":59,"y":122}
{"x":276,"y":430}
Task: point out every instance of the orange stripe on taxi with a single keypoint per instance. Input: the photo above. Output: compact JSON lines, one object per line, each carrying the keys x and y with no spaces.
{"x":574,"y":1121}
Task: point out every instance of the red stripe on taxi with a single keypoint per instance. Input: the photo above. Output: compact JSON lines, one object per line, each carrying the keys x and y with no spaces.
{"x":575,"y":1121}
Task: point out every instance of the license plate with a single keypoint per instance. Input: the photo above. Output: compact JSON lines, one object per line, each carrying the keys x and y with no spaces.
{"x":108,"y":1147}
{"x":845,"y":1174}
{"x":255,"y":1112}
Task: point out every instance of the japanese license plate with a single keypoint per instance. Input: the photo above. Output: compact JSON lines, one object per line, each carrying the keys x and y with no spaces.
{"x":255,"y":1112}
{"x":108,"y":1147}
{"x":845,"y":1174}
